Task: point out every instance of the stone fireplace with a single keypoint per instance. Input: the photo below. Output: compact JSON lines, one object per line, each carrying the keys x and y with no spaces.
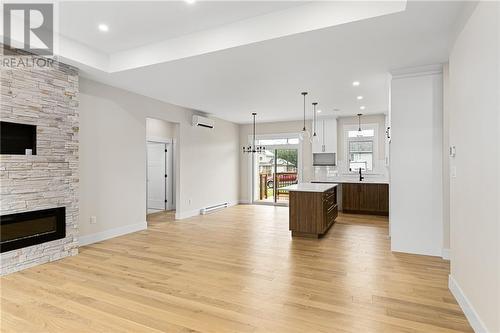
{"x":48,"y":180}
{"x":21,"y":230}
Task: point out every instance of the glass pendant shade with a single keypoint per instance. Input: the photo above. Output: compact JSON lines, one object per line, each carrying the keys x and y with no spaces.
{"x":304,"y":135}
{"x":314,"y":138}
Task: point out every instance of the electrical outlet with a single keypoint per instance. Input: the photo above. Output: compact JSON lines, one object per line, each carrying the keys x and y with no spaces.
{"x":93,"y":220}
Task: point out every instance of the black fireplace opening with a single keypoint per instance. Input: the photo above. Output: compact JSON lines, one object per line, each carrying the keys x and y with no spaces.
{"x":30,"y":228}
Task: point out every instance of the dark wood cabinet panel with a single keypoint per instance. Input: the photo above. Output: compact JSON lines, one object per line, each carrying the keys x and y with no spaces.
{"x":350,"y":196}
{"x":306,"y":208}
{"x":368,"y":197}
{"x":359,"y":198}
{"x":312,"y":213}
{"x":383,"y":198}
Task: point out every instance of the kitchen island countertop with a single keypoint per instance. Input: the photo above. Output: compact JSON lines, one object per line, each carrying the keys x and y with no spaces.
{"x":309,"y":187}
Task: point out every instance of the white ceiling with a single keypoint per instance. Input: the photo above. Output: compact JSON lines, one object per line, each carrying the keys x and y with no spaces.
{"x":268,"y":76}
{"x":134,"y":24}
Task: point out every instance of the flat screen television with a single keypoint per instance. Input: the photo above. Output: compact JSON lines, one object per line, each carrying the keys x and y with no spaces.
{"x":16,"y":138}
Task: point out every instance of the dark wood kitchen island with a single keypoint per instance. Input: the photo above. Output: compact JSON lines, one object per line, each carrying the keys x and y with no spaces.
{"x":312,"y":209}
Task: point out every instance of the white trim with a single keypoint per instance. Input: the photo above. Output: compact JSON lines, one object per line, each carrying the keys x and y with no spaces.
{"x":186,"y":214}
{"x":436,"y":252}
{"x":445,"y":254}
{"x":159,"y":139}
{"x":244,"y":202}
{"x":253,"y":163}
{"x":474,"y":320}
{"x":417,"y":71}
{"x":112,"y":233}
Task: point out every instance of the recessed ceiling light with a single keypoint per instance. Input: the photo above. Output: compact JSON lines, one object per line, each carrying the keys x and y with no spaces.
{"x":190,"y":1}
{"x":355,"y":83}
{"x":359,"y":98}
{"x":362,"y":107}
{"x":103,"y":27}
{"x":319,"y":111}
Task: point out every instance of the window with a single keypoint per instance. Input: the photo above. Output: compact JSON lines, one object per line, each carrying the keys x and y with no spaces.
{"x":361,"y":155}
{"x":360,"y":149}
{"x":363,"y":133}
{"x":274,"y":142}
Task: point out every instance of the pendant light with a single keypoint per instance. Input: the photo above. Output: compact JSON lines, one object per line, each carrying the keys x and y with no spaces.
{"x":360,"y":131}
{"x":304,"y":134}
{"x":315,"y":137}
{"x":253,"y":148}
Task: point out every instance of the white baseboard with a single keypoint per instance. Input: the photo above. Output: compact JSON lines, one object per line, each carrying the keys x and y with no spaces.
{"x":244,"y":202}
{"x":445,"y":254}
{"x":111,"y":233}
{"x":472,"y":316}
{"x":437,"y":252}
{"x":186,"y":214}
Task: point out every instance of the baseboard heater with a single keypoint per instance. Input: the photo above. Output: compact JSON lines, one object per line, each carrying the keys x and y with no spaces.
{"x":210,"y":209}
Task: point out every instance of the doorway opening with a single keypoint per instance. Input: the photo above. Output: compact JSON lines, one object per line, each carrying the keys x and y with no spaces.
{"x":161,"y":150}
{"x":276,"y":168}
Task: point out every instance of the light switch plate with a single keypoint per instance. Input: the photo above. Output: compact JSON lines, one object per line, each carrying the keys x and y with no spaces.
{"x":453,"y":172}
{"x":93,"y":220}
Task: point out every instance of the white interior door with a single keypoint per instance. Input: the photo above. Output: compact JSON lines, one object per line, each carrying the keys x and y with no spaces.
{"x":156,"y":175}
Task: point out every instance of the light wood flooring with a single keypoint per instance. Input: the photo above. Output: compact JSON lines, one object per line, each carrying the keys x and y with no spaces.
{"x":237,"y":270}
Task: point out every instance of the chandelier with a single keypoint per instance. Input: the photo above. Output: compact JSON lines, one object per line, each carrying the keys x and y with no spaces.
{"x":253,"y":148}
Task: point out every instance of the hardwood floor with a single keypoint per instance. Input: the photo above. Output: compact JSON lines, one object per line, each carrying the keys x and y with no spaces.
{"x":237,"y":270}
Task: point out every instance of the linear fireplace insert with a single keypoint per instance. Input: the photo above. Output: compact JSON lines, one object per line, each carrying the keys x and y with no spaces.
{"x":31,"y":228}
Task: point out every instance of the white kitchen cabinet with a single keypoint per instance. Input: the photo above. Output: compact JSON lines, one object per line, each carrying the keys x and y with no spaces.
{"x":327,"y":133}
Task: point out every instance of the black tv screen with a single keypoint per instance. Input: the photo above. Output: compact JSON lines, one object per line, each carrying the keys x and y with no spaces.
{"x":16,"y":138}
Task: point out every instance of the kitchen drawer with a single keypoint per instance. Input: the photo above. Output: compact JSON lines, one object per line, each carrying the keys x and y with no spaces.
{"x":329,"y":217}
{"x":330,"y":198}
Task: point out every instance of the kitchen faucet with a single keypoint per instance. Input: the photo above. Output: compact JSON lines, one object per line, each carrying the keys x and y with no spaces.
{"x":361,"y":175}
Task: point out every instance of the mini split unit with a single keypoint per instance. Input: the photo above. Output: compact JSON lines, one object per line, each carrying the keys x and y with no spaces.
{"x":199,"y":121}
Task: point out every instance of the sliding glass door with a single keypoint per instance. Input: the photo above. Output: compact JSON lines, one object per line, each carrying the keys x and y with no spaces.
{"x":275,"y":169}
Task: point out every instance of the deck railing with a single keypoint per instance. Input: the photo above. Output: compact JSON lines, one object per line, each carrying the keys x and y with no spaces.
{"x":281,"y":179}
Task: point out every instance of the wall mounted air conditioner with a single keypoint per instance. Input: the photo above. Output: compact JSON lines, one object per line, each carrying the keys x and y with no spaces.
{"x":199,"y":121}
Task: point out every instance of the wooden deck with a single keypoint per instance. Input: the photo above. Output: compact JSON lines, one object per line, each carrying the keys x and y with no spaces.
{"x":237,"y":270}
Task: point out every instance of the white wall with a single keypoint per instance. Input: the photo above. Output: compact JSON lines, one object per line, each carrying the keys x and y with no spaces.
{"x":416,"y":215}
{"x":160,"y":129}
{"x":474,"y":130}
{"x":113,"y":159}
{"x":271,"y":128}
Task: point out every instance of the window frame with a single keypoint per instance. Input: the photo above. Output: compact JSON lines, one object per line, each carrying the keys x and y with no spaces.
{"x":347,"y":140}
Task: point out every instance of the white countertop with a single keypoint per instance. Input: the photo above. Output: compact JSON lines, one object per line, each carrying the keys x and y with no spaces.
{"x":309,"y":187}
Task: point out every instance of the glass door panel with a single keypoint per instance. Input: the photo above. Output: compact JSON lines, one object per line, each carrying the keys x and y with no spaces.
{"x":286,"y":172}
{"x":265,"y":176}
{"x":275,"y":169}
